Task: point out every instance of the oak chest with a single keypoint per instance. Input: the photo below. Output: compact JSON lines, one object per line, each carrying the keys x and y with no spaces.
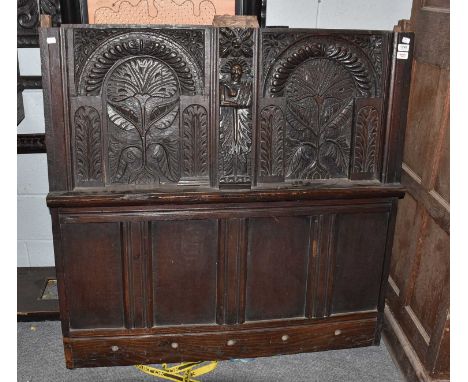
{"x":221,"y":193}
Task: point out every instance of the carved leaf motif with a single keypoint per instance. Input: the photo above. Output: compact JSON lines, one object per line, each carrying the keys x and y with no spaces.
{"x":118,"y":118}
{"x":165,"y":155}
{"x":271,"y":141}
{"x":195,"y":142}
{"x":88,"y":144}
{"x":302,"y":161}
{"x":367,"y":125}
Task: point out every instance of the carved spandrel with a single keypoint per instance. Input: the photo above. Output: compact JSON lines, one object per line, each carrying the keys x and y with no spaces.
{"x":143,"y":112}
{"x":235,"y":99}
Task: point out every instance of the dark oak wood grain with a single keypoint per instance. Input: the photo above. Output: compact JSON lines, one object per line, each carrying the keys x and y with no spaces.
{"x":241,"y":205}
{"x":419,"y":294}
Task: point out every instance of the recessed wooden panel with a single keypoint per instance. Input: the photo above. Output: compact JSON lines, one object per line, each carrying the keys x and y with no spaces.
{"x":94,"y":285}
{"x":432,"y":276}
{"x":360,"y":247}
{"x":184,"y":268}
{"x":426,"y":108}
{"x":408,"y":225}
{"x":277,"y":267}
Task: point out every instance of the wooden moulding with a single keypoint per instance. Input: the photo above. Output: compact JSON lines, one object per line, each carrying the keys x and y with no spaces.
{"x":77,"y":199}
{"x":403,"y":352}
{"x":178,"y":347}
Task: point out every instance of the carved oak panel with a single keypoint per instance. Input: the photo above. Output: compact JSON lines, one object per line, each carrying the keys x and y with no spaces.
{"x":227,"y":107}
{"x":140,"y":79}
{"x":150,"y":127}
{"x":313,"y":81}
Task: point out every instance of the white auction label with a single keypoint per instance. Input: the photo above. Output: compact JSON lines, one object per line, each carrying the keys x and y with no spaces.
{"x":402,"y":55}
{"x":405,"y":40}
{"x":403,"y":47}
{"x":51,"y":40}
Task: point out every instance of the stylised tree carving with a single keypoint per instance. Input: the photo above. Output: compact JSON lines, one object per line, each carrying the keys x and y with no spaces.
{"x":319,"y":104}
{"x":142,"y":106}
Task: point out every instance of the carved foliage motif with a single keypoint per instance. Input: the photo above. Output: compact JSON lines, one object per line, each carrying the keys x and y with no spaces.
{"x":235,"y":89}
{"x":88,"y":144}
{"x":28,"y":19}
{"x":365,"y":146}
{"x":28,"y":15}
{"x":235,"y":42}
{"x":319,"y":104}
{"x":85,"y":41}
{"x":372,"y":45}
{"x":273,"y":45}
{"x":147,"y":44}
{"x":143,"y":108}
{"x":271,"y":141}
{"x":195,"y":141}
{"x":192,"y":40}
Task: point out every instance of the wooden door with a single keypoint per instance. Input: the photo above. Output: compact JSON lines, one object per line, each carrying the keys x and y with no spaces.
{"x":418,"y":293}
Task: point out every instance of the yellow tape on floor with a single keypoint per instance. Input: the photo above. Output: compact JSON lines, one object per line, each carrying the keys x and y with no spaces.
{"x":179,"y":373}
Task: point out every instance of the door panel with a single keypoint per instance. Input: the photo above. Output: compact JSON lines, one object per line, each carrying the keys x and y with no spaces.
{"x":94,"y":283}
{"x":184,"y":271}
{"x":277,"y":267}
{"x":359,"y":255}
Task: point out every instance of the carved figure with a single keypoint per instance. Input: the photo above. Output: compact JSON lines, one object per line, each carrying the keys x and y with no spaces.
{"x":235,"y":116}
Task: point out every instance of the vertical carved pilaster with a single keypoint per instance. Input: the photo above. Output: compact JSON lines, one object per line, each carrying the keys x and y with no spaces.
{"x":271,"y":143}
{"x":88,"y":155}
{"x":367,"y":134}
{"x":195,"y":142}
{"x":236,"y":96}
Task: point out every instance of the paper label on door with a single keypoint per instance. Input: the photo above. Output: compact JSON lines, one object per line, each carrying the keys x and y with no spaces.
{"x":405,"y":40}
{"x":403,"y":47}
{"x":51,"y":40}
{"x":402,"y":55}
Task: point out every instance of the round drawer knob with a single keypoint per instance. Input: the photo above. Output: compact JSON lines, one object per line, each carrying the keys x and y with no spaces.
{"x":114,"y":348}
{"x":337,"y":332}
{"x":174,"y":345}
{"x":231,"y":342}
{"x":285,"y":337}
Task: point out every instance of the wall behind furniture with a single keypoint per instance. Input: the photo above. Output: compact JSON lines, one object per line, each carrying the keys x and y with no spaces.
{"x":34,"y":224}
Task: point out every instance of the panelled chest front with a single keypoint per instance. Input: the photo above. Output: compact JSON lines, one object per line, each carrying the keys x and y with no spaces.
{"x":221,"y":192}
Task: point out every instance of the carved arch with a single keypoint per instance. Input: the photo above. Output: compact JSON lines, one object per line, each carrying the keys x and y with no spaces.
{"x":134,"y":44}
{"x":357,"y":65}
